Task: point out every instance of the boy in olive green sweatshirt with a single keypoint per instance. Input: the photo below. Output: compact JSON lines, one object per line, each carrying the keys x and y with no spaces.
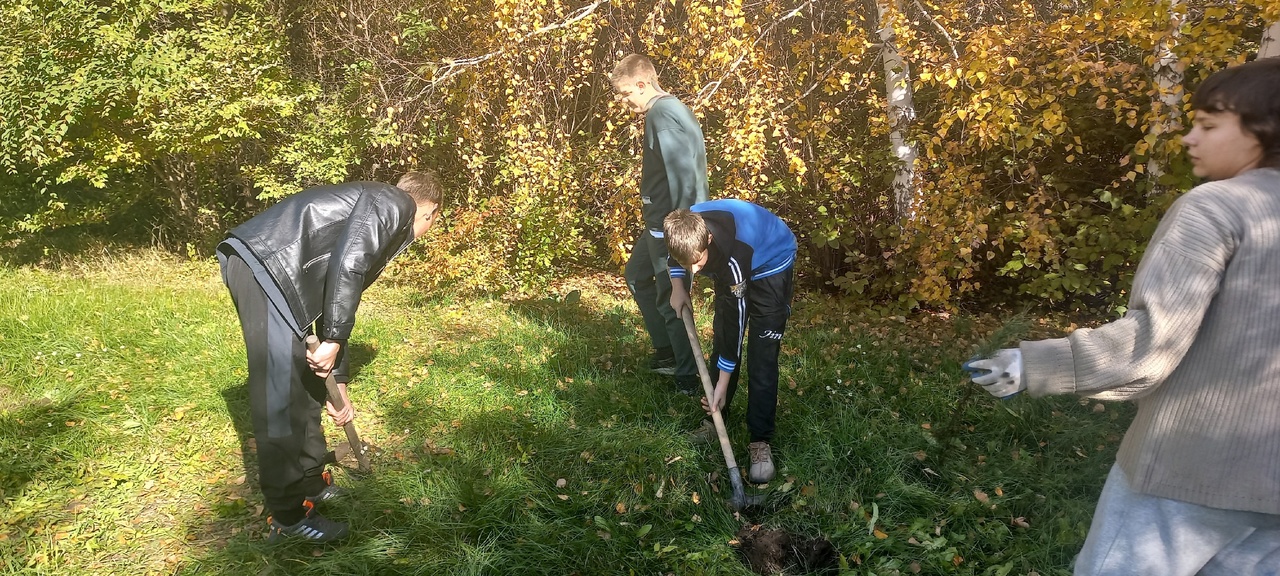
{"x":673,"y":176}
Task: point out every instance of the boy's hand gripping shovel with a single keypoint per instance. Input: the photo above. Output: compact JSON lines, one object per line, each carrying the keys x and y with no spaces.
{"x":335,"y":398}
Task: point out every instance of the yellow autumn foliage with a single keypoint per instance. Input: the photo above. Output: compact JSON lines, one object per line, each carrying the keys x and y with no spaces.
{"x":1034,"y":122}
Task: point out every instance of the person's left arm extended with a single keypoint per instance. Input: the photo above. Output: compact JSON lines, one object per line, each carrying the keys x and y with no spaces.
{"x":730,"y":322}
{"x":680,"y":160}
{"x":1175,"y":283}
{"x":729,"y":330}
{"x":718,"y":393}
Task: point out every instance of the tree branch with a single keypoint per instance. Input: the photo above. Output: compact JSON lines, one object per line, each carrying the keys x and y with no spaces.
{"x":703,"y":95}
{"x":454,"y":67}
{"x":951,"y":43}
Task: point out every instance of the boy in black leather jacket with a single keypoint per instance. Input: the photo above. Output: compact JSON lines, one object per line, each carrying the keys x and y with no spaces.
{"x":305,"y":262}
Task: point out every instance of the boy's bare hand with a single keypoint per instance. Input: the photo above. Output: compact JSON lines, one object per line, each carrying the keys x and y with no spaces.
{"x":717,"y":395}
{"x":348,"y":412}
{"x":680,"y":302}
{"x":322,"y":359}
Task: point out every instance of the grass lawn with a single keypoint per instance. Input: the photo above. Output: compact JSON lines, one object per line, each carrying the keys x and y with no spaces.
{"x":516,"y":437}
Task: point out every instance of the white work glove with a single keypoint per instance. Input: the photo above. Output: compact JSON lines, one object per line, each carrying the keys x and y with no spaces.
{"x":999,"y":375}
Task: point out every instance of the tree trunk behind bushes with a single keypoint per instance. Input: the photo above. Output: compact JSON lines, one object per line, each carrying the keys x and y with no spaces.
{"x":1270,"y":42}
{"x":1168,"y":72}
{"x":901,"y":113}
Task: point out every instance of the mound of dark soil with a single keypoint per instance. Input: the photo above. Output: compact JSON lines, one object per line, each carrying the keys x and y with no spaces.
{"x":776,"y":551}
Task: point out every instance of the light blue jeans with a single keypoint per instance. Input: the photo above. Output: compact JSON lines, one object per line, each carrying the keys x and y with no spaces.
{"x":1140,"y":535}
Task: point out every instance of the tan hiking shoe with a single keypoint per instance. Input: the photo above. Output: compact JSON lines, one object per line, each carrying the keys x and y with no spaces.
{"x":761,"y":463}
{"x":705,"y":434}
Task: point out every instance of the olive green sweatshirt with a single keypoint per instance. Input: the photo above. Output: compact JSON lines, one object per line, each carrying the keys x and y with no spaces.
{"x":674,"y":170}
{"x":1198,"y":351}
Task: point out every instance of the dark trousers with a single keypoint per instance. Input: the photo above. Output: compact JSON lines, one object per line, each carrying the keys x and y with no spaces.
{"x":650,"y":284}
{"x":768,"y":306}
{"x":285,"y":398}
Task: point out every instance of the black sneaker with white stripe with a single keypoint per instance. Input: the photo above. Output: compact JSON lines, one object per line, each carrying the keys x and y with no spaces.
{"x":663,"y":362}
{"x":330,"y":491}
{"x":313,"y":527}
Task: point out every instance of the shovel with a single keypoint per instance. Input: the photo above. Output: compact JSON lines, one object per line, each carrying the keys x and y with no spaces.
{"x":740,"y":499}
{"x":335,"y":398}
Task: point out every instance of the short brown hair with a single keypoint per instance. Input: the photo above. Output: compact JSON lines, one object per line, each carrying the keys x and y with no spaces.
{"x":1248,"y":90}
{"x":423,"y":187}
{"x":634,"y":67}
{"x":687,"y":235}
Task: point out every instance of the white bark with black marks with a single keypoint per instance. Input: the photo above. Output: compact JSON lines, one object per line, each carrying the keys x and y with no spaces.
{"x":902,"y":113}
{"x":1270,"y":46}
{"x":1168,"y":72}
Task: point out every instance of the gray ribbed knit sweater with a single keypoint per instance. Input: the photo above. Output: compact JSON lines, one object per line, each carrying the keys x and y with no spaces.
{"x":1199,"y":350}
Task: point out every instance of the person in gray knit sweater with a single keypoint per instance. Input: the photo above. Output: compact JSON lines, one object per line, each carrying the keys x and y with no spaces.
{"x":1196,"y":484}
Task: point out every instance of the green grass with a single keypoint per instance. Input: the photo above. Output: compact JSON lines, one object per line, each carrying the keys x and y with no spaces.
{"x":124,"y":443}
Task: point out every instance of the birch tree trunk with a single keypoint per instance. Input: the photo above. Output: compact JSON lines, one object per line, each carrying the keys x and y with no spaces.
{"x":1168,"y":73}
{"x":1270,"y":42}
{"x":901,"y":113}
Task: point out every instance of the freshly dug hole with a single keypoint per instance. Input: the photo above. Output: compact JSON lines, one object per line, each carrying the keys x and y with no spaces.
{"x":776,"y":551}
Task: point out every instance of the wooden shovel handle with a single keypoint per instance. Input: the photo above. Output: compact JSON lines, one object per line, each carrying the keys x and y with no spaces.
{"x":335,"y":398}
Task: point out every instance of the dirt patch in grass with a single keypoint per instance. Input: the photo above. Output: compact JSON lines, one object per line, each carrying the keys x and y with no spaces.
{"x":776,"y":551}
{"x":12,"y":402}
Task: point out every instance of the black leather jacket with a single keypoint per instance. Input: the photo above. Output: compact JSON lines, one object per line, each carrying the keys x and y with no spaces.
{"x":323,"y":246}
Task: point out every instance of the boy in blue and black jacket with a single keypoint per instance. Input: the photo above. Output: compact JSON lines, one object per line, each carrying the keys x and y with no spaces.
{"x":749,"y":253}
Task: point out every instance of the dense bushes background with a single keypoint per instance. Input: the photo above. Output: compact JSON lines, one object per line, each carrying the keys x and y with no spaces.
{"x":1035,"y":121}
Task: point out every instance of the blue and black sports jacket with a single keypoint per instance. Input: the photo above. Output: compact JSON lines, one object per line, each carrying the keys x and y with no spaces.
{"x":748,"y":243}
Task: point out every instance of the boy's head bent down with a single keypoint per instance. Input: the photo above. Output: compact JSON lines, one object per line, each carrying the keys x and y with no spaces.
{"x":427,"y":193}
{"x":687,"y":238}
{"x":635,"y":82}
{"x":1237,"y":121}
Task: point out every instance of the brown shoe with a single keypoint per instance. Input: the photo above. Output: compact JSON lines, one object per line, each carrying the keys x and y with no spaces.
{"x":705,"y":434}
{"x":761,"y":463}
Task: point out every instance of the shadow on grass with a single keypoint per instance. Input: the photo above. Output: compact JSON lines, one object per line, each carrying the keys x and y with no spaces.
{"x":37,"y":422}
{"x":71,"y":244}
{"x":534,"y":446}
{"x":493,"y":505}
{"x":473,"y":481}
{"x":237,"y":400}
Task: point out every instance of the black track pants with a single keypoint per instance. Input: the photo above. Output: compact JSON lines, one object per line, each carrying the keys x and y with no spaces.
{"x":650,"y":284}
{"x":768,"y":302}
{"x":285,"y":397}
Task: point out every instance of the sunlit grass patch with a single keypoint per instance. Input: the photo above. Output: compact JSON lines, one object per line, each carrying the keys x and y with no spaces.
{"x":515,"y":436}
